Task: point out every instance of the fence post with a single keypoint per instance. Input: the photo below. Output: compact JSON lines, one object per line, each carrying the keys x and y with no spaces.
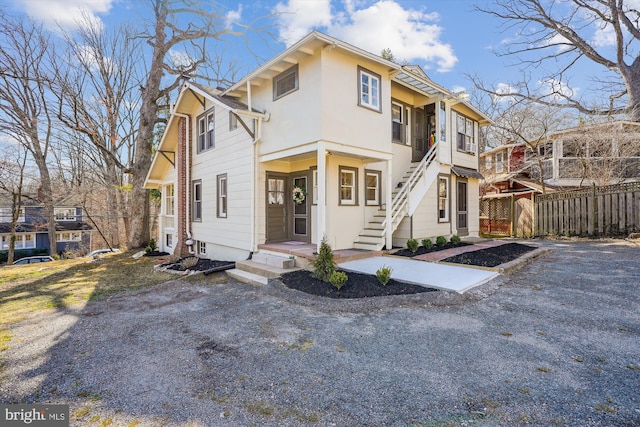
{"x":512,"y":216}
{"x":594,"y":209}
{"x":534,"y":226}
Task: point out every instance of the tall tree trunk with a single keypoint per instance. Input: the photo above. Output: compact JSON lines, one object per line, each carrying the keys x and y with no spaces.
{"x":140,"y":207}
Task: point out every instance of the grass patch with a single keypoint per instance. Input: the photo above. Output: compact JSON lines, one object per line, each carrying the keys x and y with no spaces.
{"x":543,"y":369}
{"x":601,"y":407}
{"x":81,"y":413}
{"x":5,"y":337}
{"x":28,"y":289}
{"x":260,"y":408}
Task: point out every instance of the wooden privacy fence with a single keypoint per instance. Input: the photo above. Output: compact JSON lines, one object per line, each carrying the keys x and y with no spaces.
{"x":610,"y":210}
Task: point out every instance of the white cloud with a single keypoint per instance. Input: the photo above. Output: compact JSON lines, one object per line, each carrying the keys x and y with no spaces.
{"x":67,"y":13}
{"x":557,"y":90}
{"x":503,"y":89}
{"x":233,"y":16}
{"x":604,"y":36}
{"x":412,"y":35}
{"x":180,"y":60}
{"x":299,"y":17}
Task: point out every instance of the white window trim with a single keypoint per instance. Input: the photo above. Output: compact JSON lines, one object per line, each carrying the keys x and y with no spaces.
{"x":202,"y":248}
{"x":64,"y":214}
{"x":169,"y":200}
{"x":500,"y":162}
{"x":378,"y":175}
{"x":21,"y":241}
{"x":222,"y":192}
{"x":376,"y":106}
{"x":447,"y":198}
{"x":353,"y":200}
{"x":72,"y":236}
{"x":5,"y":215}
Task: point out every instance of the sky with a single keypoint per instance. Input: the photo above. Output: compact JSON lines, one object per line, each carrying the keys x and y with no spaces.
{"x":447,"y":38}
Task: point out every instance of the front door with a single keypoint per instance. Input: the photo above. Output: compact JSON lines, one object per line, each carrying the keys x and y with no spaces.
{"x":463,"y":216}
{"x":420,"y":138}
{"x":301,"y":208}
{"x":278,"y":200}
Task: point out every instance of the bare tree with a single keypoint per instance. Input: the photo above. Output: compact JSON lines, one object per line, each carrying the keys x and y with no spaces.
{"x":98,"y":99}
{"x":189,"y":25}
{"x":559,"y":36}
{"x":12,"y":177}
{"x":25,"y":113}
{"x":530,"y":124}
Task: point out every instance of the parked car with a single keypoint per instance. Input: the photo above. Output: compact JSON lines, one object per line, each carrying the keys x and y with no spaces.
{"x":98,"y":252}
{"x":33,"y":259}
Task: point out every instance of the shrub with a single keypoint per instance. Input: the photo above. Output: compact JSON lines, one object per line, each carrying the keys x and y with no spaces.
{"x":323,"y":265}
{"x":338,"y":279}
{"x":455,"y":239}
{"x":384,"y":275}
{"x":427,"y":243}
{"x":412,"y":244}
{"x":151,"y":247}
{"x":441,"y":241}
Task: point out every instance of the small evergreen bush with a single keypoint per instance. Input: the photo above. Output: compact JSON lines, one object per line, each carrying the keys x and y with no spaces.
{"x":412,"y":244}
{"x":455,"y":239}
{"x":338,"y":279}
{"x":384,"y":275}
{"x":427,"y":243}
{"x":151,"y":247}
{"x":324,"y":265}
{"x":441,"y":241}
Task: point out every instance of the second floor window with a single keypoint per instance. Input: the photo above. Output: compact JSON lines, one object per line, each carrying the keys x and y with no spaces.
{"x":65,"y":214}
{"x":285,"y":82}
{"x":5,"y":215}
{"x":399,"y":116}
{"x":206,"y":131}
{"x":499,"y":162}
{"x":465,"y":134}
{"x":368,"y":89}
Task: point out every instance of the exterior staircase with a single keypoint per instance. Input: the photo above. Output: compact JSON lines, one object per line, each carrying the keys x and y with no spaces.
{"x":406,"y":197}
{"x":261,"y":268}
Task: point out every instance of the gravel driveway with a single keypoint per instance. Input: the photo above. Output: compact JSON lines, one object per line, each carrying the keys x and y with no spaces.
{"x":554,"y":343}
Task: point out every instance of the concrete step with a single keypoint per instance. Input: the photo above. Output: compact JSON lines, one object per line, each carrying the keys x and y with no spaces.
{"x":273,"y":260}
{"x":364,"y":238}
{"x":247,"y":277}
{"x":368,"y":246}
{"x":261,"y":269}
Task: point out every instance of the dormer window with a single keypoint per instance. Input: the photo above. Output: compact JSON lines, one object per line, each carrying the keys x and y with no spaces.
{"x":285,"y":82}
{"x":65,"y":214}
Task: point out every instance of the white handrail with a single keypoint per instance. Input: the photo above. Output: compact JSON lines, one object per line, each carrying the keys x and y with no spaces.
{"x":401,"y":199}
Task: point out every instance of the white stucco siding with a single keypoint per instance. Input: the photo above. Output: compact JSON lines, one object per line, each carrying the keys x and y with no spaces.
{"x":295,"y":117}
{"x":343,"y":120}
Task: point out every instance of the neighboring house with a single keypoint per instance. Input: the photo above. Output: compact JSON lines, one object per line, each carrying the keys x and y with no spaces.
{"x":506,"y":191}
{"x":382,"y":153}
{"x":584,"y":155}
{"x":600,"y":154}
{"x":72,"y":233}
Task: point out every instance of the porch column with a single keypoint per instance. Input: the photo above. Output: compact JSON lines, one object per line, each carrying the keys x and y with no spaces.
{"x":322,"y":194}
{"x":388,"y":202}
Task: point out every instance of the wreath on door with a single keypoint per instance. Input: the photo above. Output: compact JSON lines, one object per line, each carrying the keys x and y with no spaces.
{"x":299,"y":195}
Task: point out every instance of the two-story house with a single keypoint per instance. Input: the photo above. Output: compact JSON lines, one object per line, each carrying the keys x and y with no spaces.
{"x":72,"y":232}
{"x":324,"y":140}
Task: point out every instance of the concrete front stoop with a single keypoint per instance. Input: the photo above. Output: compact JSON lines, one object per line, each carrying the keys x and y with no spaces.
{"x":261,"y":268}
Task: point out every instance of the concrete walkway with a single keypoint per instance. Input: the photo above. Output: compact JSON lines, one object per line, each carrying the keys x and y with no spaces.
{"x":428,"y":274}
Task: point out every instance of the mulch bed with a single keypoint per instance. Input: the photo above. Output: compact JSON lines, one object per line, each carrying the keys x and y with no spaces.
{"x":366,"y":285}
{"x":491,"y":257}
{"x":202,"y":265}
{"x":422,"y":250}
{"x":358,"y":286}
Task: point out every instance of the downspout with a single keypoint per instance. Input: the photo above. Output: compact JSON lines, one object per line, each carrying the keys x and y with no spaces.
{"x":187,"y":187}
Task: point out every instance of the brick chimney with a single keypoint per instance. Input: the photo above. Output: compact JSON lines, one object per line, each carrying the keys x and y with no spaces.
{"x":184,"y":142}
